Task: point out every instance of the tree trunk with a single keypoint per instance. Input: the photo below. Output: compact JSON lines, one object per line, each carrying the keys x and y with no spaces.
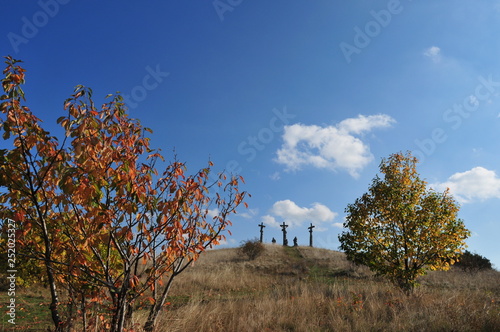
{"x":84,"y":313}
{"x":129,"y":312}
{"x":119,"y":312}
{"x":54,"y":304}
{"x":156,"y":308}
{"x":71,"y":309}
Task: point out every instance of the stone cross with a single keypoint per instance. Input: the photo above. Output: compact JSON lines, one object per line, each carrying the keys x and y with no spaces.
{"x":261,"y":231}
{"x":311,"y":235}
{"x":285,"y":241}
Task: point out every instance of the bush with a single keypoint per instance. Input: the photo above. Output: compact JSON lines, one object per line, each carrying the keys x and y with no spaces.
{"x":252,"y":249}
{"x":470,"y":262}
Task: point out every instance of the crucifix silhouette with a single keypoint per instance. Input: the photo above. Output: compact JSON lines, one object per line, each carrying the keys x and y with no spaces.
{"x":261,"y":231}
{"x":285,"y":241}
{"x":311,"y":235}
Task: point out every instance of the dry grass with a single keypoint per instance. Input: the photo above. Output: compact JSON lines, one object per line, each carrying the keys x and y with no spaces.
{"x":306,"y":289}
{"x":309,"y":289}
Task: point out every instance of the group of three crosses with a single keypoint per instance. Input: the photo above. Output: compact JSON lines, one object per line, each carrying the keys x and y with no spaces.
{"x":285,"y":240}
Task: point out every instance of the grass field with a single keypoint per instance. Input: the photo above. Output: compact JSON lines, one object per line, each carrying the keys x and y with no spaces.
{"x":303,"y":289}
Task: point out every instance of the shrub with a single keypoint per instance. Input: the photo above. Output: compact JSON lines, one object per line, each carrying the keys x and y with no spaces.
{"x":252,"y":249}
{"x":470,"y":262}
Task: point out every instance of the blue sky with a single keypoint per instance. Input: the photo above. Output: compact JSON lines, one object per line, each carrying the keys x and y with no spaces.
{"x":302,"y":98}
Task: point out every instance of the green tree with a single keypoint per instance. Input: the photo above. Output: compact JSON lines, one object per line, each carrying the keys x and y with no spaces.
{"x":400,"y":229}
{"x":472,"y":262}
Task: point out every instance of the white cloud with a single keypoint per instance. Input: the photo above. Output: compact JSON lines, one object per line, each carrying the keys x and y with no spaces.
{"x":332,"y":147}
{"x":225,"y":242}
{"x":270,"y":221}
{"x":212,"y":213}
{"x":249,"y":213}
{"x":293,"y":215}
{"x":363,"y":123}
{"x":434,"y":53}
{"x":340,"y":224}
{"x":478,"y":183}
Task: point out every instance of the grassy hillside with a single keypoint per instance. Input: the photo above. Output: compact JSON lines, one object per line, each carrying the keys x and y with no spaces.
{"x":309,"y":289}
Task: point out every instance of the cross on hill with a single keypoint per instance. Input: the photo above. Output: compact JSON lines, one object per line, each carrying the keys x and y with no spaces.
{"x":284,"y":226}
{"x":261,"y":231}
{"x":311,"y":235}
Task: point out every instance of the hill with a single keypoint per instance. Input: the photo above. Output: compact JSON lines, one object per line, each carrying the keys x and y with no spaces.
{"x":310,"y":289}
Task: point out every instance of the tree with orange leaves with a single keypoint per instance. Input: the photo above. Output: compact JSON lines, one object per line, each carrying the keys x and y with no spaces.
{"x":96,"y":213}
